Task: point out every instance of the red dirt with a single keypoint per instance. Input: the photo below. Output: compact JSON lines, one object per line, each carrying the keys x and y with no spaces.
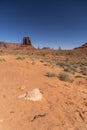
{"x":63,"y":106}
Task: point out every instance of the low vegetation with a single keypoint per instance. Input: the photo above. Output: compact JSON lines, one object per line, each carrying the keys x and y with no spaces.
{"x":51,"y":74}
{"x":20,"y":58}
{"x":73,"y":63}
{"x":1,"y":51}
{"x":2,"y":59}
{"x":83,"y":70}
{"x":64,"y":77}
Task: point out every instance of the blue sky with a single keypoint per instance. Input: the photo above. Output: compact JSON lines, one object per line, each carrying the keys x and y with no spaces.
{"x":51,"y":23}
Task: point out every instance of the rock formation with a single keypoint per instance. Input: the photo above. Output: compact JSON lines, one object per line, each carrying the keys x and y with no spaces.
{"x":27,"y":41}
{"x":26,"y":44}
{"x":3,"y":45}
{"x":84,"y":46}
{"x":46,"y":48}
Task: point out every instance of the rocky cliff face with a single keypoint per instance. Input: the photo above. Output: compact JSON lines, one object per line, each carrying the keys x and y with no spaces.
{"x":3,"y":45}
{"x":6,"y":45}
{"x":84,"y":46}
{"x":27,"y":44}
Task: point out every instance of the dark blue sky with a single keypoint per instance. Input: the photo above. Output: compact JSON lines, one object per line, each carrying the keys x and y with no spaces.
{"x":51,"y":23}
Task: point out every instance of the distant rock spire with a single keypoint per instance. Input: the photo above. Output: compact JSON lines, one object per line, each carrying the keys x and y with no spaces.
{"x":27,"y":41}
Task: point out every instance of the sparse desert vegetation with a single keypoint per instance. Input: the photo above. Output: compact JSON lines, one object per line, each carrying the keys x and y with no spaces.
{"x":50,"y":74}
{"x":20,"y":58}
{"x":43,"y":76}
{"x":61,"y":78}
{"x":2,"y":59}
{"x":64,"y":77}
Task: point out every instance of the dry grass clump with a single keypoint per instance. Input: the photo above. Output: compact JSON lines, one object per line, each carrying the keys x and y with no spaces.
{"x":81,"y":64}
{"x":62,"y":64}
{"x":67,"y":67}
{"x":79,"y":76}
{"x":2,"y":59}
{"x":20,"y":58}
{"x":1,"y":51}
{"x":64,"y":77}
{"x":83,"y":70}
{"x":70,"y":69}
{"x":50,"y":74}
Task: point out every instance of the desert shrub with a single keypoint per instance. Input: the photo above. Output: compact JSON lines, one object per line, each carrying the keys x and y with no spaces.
{"x":20,"y":58}
{"x":75,"y":66}
{"x":64,"y":77}
{"x":2,"y":59}
{"x":73,"y":69}
{"x":79,"y":76}
{"x":82,"y":64}
{"x":50,"y":74}
{"x":66,"y":69}
{"x":83,"y":70}
{"x":42,"y":54}
{"x":1,"y":51}
{"x":56,"y":54}
{"x":69,"y":68}
{"x":67,"y":59}
{"x":62,"y":64}
{"x":69,"y":53}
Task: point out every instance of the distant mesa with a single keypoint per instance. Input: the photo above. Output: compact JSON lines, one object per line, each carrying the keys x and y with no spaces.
{"x":46,"y":48}
{"x":3,"y":45}
{"x":26,"y":44}
{"x":84,"y":46}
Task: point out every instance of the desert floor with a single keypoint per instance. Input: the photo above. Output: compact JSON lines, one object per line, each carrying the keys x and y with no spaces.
{"x":63,"y":105}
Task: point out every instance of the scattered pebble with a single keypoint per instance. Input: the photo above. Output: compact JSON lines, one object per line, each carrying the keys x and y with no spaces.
{"x":22,"y":87}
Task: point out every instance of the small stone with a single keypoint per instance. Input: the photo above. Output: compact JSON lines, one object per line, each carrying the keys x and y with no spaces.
{"x":22,"y":87}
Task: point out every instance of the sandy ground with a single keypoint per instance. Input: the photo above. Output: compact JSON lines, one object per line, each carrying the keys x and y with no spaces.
{"x":63,"y":105}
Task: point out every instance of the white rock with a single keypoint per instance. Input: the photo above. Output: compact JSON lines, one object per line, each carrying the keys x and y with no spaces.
{"x":33,"y":95}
